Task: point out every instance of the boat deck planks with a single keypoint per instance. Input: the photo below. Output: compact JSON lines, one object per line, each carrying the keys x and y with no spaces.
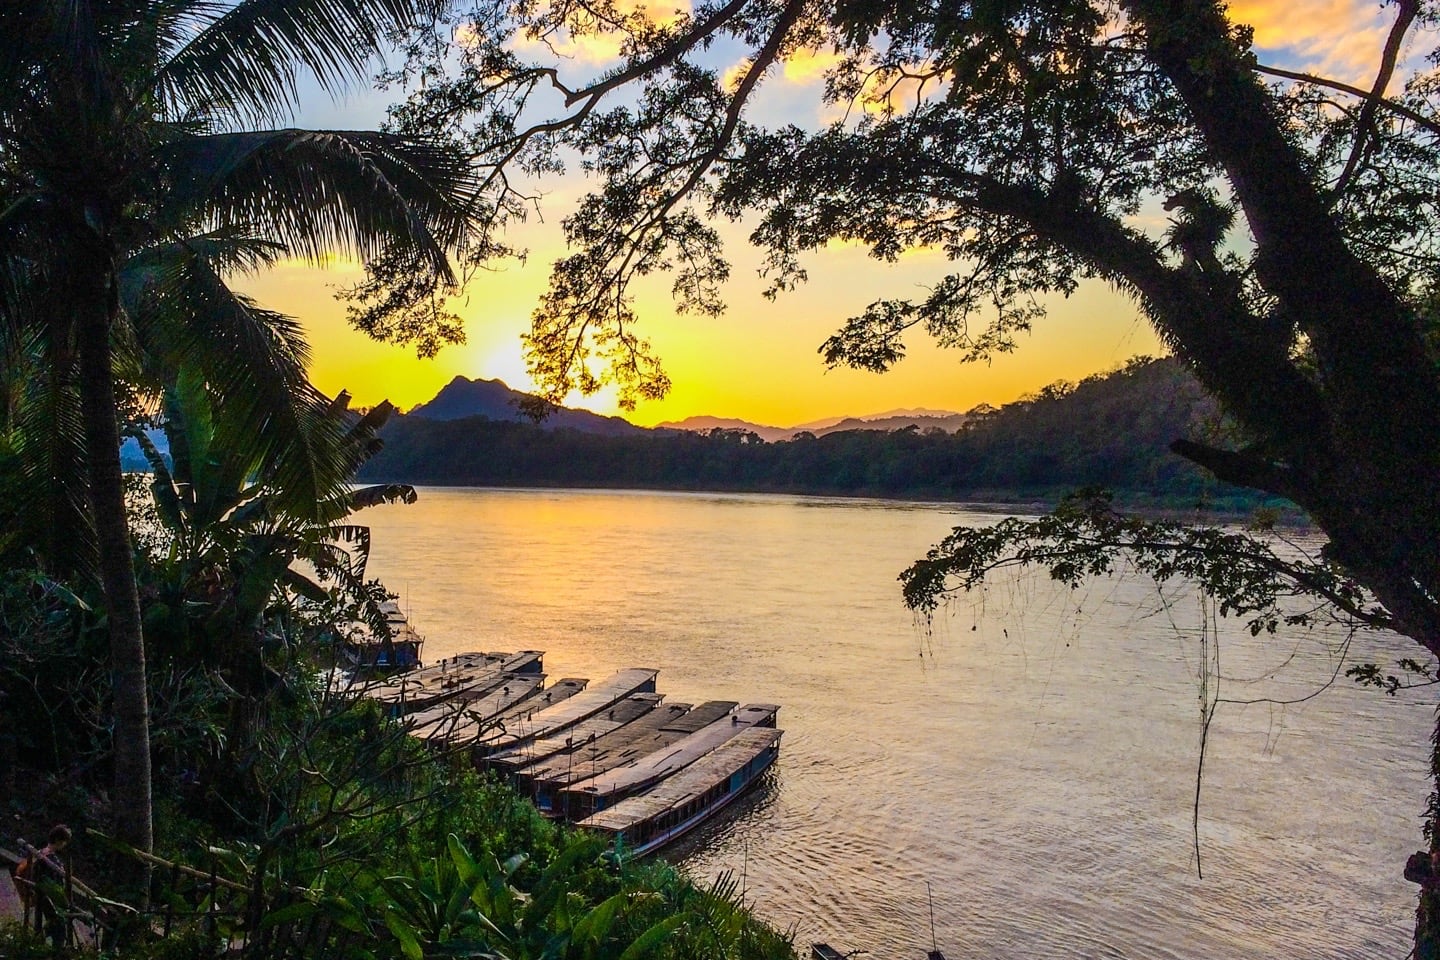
{"x":468,"y":720}
{"x":691,"y":783}
{"x":623,"y":712}
{"x":473,"y":687}
{"x":598,"y":792}
{"x":518,"y":714}
{"x":651,"y":733}
{"x":452,"y":678}
{"x":558,"y":692}
{"x":598,"y":698}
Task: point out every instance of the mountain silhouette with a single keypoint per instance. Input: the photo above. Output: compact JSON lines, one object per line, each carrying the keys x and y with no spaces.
{"x":894,"y":420}
{"x":493,"y":399}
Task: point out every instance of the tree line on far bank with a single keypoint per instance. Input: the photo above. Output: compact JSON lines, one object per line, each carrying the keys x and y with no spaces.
{"x":1110,"y":430}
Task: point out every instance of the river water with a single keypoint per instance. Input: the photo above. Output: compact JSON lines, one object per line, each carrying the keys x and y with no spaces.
{"x":1031,"y":757}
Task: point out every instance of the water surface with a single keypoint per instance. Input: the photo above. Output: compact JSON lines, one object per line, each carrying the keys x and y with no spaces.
{"x":1032,"y":757}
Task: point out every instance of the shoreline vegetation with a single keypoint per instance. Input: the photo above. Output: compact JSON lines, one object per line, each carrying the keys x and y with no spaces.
{"x":312,"y":812}
{"x":1109,"y":431}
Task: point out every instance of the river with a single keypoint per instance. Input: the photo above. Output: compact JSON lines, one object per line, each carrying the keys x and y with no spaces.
{"x":1031,"y":756}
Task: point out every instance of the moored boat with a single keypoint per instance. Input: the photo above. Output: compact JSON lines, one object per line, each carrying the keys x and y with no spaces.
{"x":677,"y":804}
{"x":450,"y":678}
{"x":367,"y":652}
{"x":590,"y":796}
{"x":461,"y":722}
{"x":655,"y":731}
{"x":533,"y":751}
{"x":553,"y":718}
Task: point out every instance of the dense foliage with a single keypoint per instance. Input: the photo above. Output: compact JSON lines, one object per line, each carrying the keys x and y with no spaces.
{"x":1034,"y":144}
{"x":309,"y":803}
{"x":134,"y":185}
{"x":1109,"y":431}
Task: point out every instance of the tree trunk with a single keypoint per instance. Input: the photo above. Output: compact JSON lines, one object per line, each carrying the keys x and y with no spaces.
{"x":98,"y":310}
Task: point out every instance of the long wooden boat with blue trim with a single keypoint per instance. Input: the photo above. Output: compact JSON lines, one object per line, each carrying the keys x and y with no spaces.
{"x":677,"y":804}
{"x":552,"y":718}
{"x":625,"y":711}
{"x":590,"y":796}
{"x":653,"y":733}
{"x":461,"y":722}
{"x":467,"y":674}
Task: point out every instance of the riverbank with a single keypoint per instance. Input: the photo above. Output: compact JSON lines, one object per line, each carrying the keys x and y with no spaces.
{"x":376,"y":842}
{"x":1233,"y":509}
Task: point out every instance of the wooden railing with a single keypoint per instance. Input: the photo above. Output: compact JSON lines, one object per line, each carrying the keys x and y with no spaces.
{"x":239,"y":920}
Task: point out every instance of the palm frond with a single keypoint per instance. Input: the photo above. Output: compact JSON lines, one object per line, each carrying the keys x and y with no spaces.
{"x":266,"y":413}
{"x":229,"y":249}
{"x":318,"y":193}
{"x":382,"y":493}
{"x":163,"y":490}
{"x":48,"y":446}
{"x":44,"y":483}
{"x":248,"y":58}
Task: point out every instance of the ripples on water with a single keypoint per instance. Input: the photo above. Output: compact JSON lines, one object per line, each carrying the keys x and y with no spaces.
{"x":1032,"y":758}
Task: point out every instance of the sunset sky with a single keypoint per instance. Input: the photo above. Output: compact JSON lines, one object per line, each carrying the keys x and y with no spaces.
{"x":759,"y":361}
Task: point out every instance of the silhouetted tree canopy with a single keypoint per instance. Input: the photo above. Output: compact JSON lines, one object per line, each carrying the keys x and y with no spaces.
{"x":1278,"y":230}
{"x":1036,"y":145}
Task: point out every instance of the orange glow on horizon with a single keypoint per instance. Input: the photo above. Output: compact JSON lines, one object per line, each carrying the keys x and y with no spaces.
{"x":759,"y":362}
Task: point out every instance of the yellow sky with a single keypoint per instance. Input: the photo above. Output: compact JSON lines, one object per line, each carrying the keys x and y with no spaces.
{"x":759,"y":361}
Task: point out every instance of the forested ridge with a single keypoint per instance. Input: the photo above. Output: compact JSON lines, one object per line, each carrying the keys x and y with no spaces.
{"x":1111,"y":430}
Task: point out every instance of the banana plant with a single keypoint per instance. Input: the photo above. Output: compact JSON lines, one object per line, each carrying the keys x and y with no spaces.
{"x":234,"y":551}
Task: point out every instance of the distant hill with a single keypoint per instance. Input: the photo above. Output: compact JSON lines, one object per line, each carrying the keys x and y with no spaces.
{"x":1111,"y":430}
{"x":892,"y":420}
{"x":706,"y":424}
{"x":903,"y":413}
{"x":492,"y":399}
{"x":949,"y":422}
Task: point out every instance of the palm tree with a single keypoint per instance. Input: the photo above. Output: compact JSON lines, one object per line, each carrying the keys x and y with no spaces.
{"x":132,"y":184}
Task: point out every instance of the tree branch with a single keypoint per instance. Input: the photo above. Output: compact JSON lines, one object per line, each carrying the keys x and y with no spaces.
{"x":1364,"y":127}
{"x":1241,"y":468}
{"x":1399,"y":109}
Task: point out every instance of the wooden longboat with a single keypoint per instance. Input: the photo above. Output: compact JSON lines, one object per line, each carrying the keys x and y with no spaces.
{"x":590,"y":796}
{"x":623,"y":712}
{"x":558,"y":692}
{"x":555,"y":718}
{"x":649,"y":820}
{"x":655,"y":731}
{"x":823,"y":951}
{"x":466,"y":674}
{"x":391,"y":690}
{"x":465,"y":721}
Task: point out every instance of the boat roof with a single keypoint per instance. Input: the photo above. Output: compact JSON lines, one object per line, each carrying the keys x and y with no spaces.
{"x":622,"y":745}
{"x":452,"y":675}
{"x":651,"y":733}
{"x":678,"y":755}
{"x":461,"y":722}
{"x":711,"y":770}
{"x":623,"y":712}
{"x":561,"y":691}
{"x":597,"y":698}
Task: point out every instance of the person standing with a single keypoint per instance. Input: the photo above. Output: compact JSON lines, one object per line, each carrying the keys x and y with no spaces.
{"x":42,"y":869}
